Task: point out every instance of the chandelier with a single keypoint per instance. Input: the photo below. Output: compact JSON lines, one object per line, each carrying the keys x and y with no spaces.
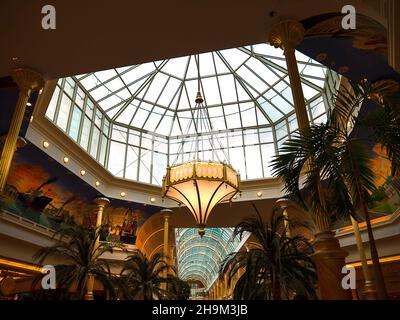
{"x":200,"y":184}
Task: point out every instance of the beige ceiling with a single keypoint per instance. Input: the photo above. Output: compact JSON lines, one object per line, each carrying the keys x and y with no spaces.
{"x":93,"y":35}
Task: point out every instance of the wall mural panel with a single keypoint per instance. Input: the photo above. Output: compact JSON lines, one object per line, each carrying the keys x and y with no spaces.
{"x":386,"y":199}
{"x":44,"y":191}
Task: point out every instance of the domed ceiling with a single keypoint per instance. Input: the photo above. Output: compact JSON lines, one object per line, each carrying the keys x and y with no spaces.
{"x":142,"y":113}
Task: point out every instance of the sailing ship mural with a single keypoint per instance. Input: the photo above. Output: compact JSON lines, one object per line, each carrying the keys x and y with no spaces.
{"x":45,"y":192}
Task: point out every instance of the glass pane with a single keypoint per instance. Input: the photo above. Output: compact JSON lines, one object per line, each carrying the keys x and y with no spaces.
{"x":268,"y":152}
{"x":98,"y":118}
{"x":237,"y":160}
{"x":119,"y":133}
{"x":63,"y":113}
{"x":95,"y":142}
{"x":85,"y":133}
{"x":145,"y":165}
{"x":51,"y":109}
{"x":80,"y":96}
{"x":281,"y":130}
{"x":159,"y":167}
{"x":116,"y":163}
{"x":69,"y":86}
{"x":75,"y":123}
{"x":253,"y":162}
{"x":103,"y":150}
{"x":89,"y":108}
{"x":132,"y":163}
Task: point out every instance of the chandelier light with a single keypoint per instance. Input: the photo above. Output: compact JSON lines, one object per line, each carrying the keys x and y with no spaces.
{"x":200,"y":184}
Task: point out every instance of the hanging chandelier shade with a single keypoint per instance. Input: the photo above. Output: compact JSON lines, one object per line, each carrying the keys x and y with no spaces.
{"x":200,"y":186}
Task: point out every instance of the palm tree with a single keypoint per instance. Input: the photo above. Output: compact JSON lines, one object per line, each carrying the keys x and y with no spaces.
{"x":77,"y":245}
{"x":336,"y":166}
{"x":179,"y":288}
{"x":302,"y":164}
{"x":354,"y":162}
{"x":142,"y":278}
{"x":276,"y":267}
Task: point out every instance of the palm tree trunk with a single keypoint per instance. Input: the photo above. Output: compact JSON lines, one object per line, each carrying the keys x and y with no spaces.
{"x":328,"y":256}
{"x":376,"y":266}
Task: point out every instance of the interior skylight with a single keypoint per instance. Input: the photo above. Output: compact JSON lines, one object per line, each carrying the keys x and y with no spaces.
{"x":199,"y":258}
{"x":142,"y":113}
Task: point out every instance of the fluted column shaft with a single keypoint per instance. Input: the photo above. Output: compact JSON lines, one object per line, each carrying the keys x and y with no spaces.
{"x":166,"y":214}
{"x":101,"y":204}
{"x":287,"y":35}
{"x":28,"y":81}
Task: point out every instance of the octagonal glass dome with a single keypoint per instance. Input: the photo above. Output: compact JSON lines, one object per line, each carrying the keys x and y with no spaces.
{"x":133,"y":119}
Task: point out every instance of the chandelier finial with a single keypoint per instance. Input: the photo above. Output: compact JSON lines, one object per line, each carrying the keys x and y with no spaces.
{"x":199,"y":98}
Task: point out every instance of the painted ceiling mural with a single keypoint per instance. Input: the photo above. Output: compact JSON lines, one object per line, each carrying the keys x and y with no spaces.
{"x":350,"y":53}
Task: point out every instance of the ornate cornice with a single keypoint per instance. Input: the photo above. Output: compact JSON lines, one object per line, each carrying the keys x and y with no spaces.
{"x":27,"y":79}
{"x":286,"y":34}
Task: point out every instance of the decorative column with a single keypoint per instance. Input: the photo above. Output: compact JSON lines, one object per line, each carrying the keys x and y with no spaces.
{"x":21,"y":142}
{"x":28,"y":81}
{"x":329,"y":258}
{"x":101,"y":204}
{"x":287,"y":35}
{"x":285,"y":204}
{"x":172,"y":258}
{"x":166,"y":214}
{"x":369,"y":291}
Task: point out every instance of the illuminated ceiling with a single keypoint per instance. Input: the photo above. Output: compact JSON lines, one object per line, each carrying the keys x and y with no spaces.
{"x":142,"y":113}
{"x":199,"y":258}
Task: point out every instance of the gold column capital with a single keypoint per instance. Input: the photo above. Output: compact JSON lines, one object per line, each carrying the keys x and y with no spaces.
{"x":286,"y":34}
{"x":166,"y":213}
{"x":102,"y":202}
{"x":284,"y":203}
{"x":21,"y":142}
{"x":27,"y":79}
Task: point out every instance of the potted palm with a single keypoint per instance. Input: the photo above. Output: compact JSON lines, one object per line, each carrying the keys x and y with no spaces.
{"x":77,"y":246}
{"x":143,"y":278}
{"x":276,"y":266}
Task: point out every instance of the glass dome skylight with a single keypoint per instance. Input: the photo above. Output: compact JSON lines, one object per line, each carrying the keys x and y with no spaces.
{"x":142,"y":113}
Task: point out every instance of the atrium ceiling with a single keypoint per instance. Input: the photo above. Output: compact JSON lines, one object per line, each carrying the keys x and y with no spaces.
{"x":146,"y":113}
{"x":199,"y":258}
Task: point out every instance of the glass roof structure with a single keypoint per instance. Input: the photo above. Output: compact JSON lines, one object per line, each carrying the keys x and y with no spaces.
{"x":199,"y":258}
{"x":144,"y":112}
